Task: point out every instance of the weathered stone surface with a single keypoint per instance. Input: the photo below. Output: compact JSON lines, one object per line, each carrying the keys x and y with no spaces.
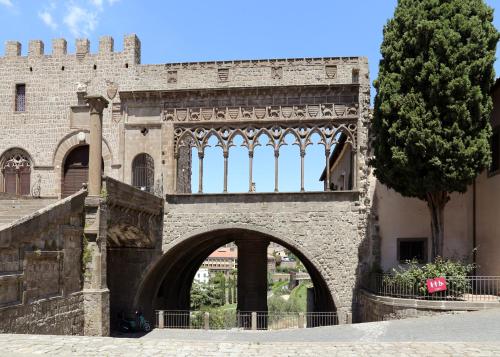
{"x":383,"y":308}
{"x":40,"y":274}
{"x":322,"y":226}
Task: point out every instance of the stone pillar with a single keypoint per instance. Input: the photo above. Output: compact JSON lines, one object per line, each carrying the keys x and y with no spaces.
{"x":252,"y":277}
{"x":97,"y":105}
{"x":169,"y":168}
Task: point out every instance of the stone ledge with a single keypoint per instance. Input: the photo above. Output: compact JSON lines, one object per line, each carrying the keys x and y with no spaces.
{"x":255,"y":197}
{"x":430,"y":304}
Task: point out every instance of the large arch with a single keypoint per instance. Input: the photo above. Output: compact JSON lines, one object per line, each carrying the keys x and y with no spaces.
{"x":167,"y":283}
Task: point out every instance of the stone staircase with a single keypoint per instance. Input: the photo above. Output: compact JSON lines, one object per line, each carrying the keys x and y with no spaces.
{"x":12,"y":209}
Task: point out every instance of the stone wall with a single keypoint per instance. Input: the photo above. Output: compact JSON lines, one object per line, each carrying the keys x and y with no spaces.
{"x":55,"y":316}
{"x":56,"y":83}
{"x":321,"y":226}
{"x":40,"y":286}
{"x":134,"y":230}
{"x":383,"y":308}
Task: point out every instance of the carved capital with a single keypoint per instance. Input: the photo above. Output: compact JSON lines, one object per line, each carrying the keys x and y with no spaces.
{"x":97,"y":103}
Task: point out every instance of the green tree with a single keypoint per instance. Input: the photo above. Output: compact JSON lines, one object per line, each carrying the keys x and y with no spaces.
{"x":432,"y":107}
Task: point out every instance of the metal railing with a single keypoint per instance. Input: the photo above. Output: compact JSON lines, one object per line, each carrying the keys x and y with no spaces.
{"x":458,"y":288}
{"x":232,"y":319}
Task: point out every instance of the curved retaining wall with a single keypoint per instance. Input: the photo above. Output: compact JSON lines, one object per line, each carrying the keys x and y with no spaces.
{"x":382,"y":308}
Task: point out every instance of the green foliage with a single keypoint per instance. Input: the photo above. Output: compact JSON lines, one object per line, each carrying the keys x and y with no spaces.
{"x":298,"y":297}
{"x":277,"y":304}
{"x":413,"y":277}
{"x":86,"y":254}
{"x":432,"y":108}
{"x":280,"y":288}
{"x":204,"y":295}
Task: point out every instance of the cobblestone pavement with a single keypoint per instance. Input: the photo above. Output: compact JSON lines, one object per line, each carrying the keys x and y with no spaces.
{"x":471,"y":334}
{"x":29,"y":345}
{"x":463,"y":327}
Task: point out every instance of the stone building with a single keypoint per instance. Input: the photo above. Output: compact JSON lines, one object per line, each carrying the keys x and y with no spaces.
{"x":140,"y":251}
{"x":157,"y":116}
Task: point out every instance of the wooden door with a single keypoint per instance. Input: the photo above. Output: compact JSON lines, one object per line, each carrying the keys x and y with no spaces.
{"x":10,"y":180}
{"x":24,"y":187}
{"x":76,"y":170}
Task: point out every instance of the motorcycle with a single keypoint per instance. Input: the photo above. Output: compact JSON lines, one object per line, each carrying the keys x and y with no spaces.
{"x":139,"y":323}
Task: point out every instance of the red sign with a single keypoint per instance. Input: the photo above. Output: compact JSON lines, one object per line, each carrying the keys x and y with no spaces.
{"x":436,"y":284}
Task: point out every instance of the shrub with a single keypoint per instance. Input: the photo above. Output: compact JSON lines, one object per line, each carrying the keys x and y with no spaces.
{"x":413,"y":277}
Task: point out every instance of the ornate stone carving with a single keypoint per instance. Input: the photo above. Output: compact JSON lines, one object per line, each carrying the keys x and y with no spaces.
{"x":37,"y":187}
{"x":331,"y":71}
{"x":81,"y":87}
{"x":223,"y":74}
{"x":198,"y":136}
{"x":277,"y":72}
{"x":172,"y":77}
{"x":111,"y":90}
{"x":285,"y":112}
{"x":17,"y":161}
{"x":116,"y":112}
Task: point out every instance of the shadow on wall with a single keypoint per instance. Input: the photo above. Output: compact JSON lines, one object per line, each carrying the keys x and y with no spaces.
{"x":167,"y":286}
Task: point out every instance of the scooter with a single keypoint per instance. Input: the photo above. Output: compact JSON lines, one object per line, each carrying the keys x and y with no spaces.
{"x":139,"y":323}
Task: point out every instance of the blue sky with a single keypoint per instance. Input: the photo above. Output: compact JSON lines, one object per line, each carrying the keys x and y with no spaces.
{"x":189,"y":30}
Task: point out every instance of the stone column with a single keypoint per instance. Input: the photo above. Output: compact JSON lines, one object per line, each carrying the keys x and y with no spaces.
{"x":252,"y":278}
{"x":97,"y":105}
{"x":170,"y":166}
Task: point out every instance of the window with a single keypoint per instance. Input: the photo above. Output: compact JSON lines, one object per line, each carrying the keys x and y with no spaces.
{"x":412,"y":248}
{"x":15,"y":172}
{"x":20,"y":97}
{"x":495,"y":151}
{"x":143,"y":172}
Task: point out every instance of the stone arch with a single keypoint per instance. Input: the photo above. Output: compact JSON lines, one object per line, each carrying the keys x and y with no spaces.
{"x":16,"y":166}
{"x":182,"y":258}
{"x":66,"y":145}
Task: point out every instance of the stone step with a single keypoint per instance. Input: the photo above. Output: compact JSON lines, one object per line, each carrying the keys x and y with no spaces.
{"x":12,"y":210}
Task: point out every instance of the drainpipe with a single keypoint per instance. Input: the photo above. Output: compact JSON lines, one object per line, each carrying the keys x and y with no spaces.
{"x":474,"y":253}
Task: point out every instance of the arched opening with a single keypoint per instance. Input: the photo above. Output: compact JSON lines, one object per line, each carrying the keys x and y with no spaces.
{"x":16,"y":172}
{"x":143,"y":172}
{"x":76,"y":170}
{"x":167,"y":285}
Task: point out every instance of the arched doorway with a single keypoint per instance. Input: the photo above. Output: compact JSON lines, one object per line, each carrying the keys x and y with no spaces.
{"x":143,"y":172}
{"x":76,"y":170}
{"x":167,"y":285}
{"x":16,"y":172}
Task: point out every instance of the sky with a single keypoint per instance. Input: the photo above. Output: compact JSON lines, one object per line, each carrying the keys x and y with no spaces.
{"x":205,"y":30}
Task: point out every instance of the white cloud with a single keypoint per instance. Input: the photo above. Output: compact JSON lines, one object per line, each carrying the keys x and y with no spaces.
{"x":6,"y":3}
{"x":111,"y":2}
{"x":97,"y":3}
{"x":47,"y":19}
{"x":80,"y":21}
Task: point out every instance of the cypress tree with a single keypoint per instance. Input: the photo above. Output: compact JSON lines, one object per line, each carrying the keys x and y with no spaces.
{"x":433,"y":104}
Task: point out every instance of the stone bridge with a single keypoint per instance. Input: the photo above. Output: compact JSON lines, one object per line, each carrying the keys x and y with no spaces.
{"x":325,"y":230}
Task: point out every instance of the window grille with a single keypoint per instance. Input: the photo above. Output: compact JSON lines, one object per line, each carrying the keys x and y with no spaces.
{"x":412,"y":248}
{"x":143,"y":171}
{"x":20,"y":97}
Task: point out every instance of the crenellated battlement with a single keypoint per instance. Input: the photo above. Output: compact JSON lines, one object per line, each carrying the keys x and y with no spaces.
{"x":36,"y":48}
